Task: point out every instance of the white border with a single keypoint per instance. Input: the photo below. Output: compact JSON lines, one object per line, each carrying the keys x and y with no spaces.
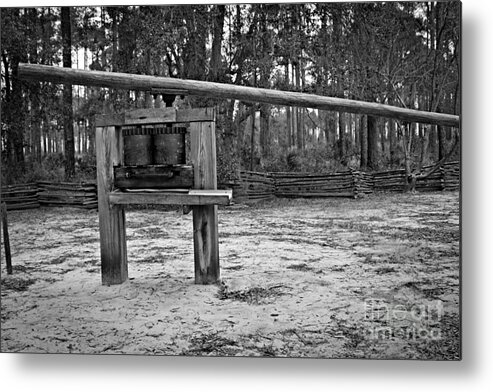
{"x":93,"y":373}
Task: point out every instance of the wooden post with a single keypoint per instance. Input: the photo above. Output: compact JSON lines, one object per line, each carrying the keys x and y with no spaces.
{"x":6,"y":240}
{"x":109,"y":152}
{"x":205,"y":233}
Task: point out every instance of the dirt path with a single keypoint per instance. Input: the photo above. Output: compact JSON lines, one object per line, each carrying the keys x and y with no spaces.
{"x":373,"y":278}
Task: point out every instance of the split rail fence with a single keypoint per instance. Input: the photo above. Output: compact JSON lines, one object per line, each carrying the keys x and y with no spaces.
{"x":351,"y":183}
{"x":251,"y":186}
{"x":45,"y":193}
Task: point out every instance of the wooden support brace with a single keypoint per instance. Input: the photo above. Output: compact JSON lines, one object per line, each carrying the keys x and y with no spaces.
{"x":205,"y":229}
{"x":172,"y":196}
{"x":109,"y":153}
{"x":6,"y":240}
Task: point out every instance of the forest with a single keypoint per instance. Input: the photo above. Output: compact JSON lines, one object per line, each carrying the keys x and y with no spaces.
{"x":405,"y":54}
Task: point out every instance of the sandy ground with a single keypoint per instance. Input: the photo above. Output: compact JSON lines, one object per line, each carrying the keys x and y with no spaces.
{"x":337,"y":278}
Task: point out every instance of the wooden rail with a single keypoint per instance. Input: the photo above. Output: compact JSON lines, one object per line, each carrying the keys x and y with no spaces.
{"x":229,"y":91}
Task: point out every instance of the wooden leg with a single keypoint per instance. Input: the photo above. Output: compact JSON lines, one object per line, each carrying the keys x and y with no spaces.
{"x":113,"y":243}
{"x":206,"y":244}
{"x":6,"y":240}
{"x":205,"y":238}
{"x":114,"y":268}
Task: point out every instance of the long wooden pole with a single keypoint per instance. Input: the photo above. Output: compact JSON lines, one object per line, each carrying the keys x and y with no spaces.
{"x":229,"y":91}
{"x":6,"y":240}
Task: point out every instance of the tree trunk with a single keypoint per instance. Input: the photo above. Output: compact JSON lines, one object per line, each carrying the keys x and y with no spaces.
{"x":35,"y":122}
{"x":325,"y":117}
{"x":294,"y":126}
{"x":351,"y":139}
{"x":113,"y":13}
{"x":363,"y":137}
{"x":289,"y":123}
{"x":392,"y":141}
{"x":406,"y":143}
{"x":91,"y":135}
{"x":34,"y":96}
{"x":289,"y":128}
{"x":372,"y":143}
{"x":442,"y":144}
{"x":296,"y":110}
{"x":68,"y":122}
{"x":252,"y":138}
{"x":424,"y":146}
{"x":382,"y":141}
{"x":218,"y":26}
{"x":265,"y":136}
{"x":357,"y":126}
{"x":341,"y":142}
{"x":17,"y":118}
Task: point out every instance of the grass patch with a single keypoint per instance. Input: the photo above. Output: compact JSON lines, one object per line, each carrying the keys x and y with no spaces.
{"x":385,"y":270}
{"x":252,"y":296}
{"x":16,"y":284}
{"x":448,"y":347}
{"x":211,"y":343}
{"x":300,"y":267}
{"x":233,"y":267}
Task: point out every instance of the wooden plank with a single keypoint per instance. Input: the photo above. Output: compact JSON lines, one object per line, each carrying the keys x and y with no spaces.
{"x":109,"y":120}
{"x":19,"y":191}
{"x":195,"y":115}
{"x":109,"y":153}
{"x":205,"y":228}
{"x":169,"y":91}
{"x":315,"y":195}
{"x":156,"y":116}
{"x":67,"y":187}
{"x":138,"y":117}
{"x":19,"y":199}
{"x":195,"y":198}
{"x":150,"y":116}
{"x":6,"y":239}
{"x":82,"y":183}
{"x":69,"y":194}
{"x":308,"y":175}
{"x":31,"y":185}
{"x":72,"y":203}
{"x":155,"y":176}
{"x":230,"y":91}
{"x":23,"y":206}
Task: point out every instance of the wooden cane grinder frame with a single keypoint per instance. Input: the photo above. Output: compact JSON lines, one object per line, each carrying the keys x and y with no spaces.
{"x":204,"y":197}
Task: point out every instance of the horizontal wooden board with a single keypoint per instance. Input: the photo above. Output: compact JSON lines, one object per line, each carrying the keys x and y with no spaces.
{"x":19,"y":199}
{"x":23,"y":206}
{"x":196,"y":197}
{"x":316,"y":194}
{"x":156,"y":116}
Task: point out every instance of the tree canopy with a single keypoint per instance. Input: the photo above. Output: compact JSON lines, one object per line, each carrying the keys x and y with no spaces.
{"x":405,"y":54}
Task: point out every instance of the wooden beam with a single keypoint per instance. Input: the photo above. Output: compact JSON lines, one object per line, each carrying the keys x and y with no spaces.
{"x":205,"y":228}
{"x":229,"y":91}
{"x":109,"y":153}
{"x":6,"y":240}
{"x":155,"y":116}
{"x":168,"y":91}
{"x":195,"y":198}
